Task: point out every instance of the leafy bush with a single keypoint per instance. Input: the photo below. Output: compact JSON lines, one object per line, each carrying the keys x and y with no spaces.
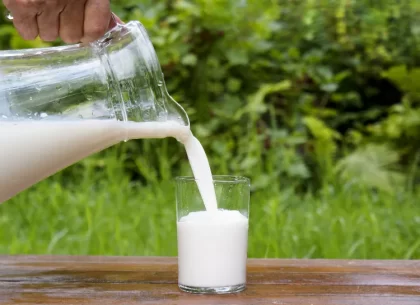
{"x":283,"y":90}
{"x":316,"y":101}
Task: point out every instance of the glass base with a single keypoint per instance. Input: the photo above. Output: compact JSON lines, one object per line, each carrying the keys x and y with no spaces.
{"x":212,"y":290}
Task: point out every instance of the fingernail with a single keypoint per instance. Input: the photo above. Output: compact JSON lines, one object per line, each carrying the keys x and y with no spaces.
{"x":115,"y":20}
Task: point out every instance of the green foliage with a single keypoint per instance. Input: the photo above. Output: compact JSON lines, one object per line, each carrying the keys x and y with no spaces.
{"x":281,"y":88}
{"x":406,"y":80}
{"x":308,"y":79}
{"x":318,"y":102}
{"x":103,"y":213}
{"x":371,"y":167}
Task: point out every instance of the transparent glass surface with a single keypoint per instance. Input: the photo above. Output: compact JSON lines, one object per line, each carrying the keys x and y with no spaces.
{"x":212,"y":246}
{"x":117,"y":77}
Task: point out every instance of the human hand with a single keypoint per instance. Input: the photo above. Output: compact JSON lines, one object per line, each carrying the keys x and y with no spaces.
{"x":71,"y":20}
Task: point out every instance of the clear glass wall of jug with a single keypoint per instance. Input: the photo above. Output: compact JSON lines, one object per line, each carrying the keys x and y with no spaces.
{"x":61,"y":104}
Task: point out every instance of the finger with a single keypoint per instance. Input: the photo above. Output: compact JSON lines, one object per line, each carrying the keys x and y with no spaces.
{"x":71,"y":22}
{"x":114,"y":21}
{"x":48,"y":25}
{"x":24,"y":17}
{"x":26,"y":26}
{"x":97,"y":18}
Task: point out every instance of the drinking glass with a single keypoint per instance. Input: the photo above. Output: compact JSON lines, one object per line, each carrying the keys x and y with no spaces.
{"x":212,"y":245}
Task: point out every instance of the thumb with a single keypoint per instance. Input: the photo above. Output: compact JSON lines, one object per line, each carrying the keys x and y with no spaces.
{"x":114,"y":21}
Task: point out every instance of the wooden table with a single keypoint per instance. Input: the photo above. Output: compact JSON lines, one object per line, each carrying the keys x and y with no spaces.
{"x":151,"y":280}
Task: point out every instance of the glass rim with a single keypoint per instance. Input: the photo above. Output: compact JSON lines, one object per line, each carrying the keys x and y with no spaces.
{"x":216,"y":178}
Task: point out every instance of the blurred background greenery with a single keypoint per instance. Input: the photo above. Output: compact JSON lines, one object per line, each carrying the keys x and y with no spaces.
{"x":318,"y":102}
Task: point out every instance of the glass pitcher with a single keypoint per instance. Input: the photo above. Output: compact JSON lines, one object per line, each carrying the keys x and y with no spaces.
{"x":61,"y":104}
{"x":117,"y":77}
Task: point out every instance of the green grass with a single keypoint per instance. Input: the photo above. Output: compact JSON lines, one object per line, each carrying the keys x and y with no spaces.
{"x":83,"y":210}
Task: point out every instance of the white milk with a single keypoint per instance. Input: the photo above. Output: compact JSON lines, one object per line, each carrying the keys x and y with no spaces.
{"x":212,"y":249}
{"x":201,"y":170}
{"x":33,"y":150}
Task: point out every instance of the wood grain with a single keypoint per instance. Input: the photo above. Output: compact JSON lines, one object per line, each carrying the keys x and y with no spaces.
{"x":153,"y":280}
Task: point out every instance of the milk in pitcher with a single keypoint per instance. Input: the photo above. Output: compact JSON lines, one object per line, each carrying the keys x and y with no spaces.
{"x":33,"y":150}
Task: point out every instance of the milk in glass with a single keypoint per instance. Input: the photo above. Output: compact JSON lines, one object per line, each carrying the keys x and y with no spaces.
{"x":212,"y":249}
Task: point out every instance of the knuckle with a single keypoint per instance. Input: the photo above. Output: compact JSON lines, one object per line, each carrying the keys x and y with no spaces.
{"x":38,"y":3}
{"x":23,"y":3}
{"x":30,"y":3}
